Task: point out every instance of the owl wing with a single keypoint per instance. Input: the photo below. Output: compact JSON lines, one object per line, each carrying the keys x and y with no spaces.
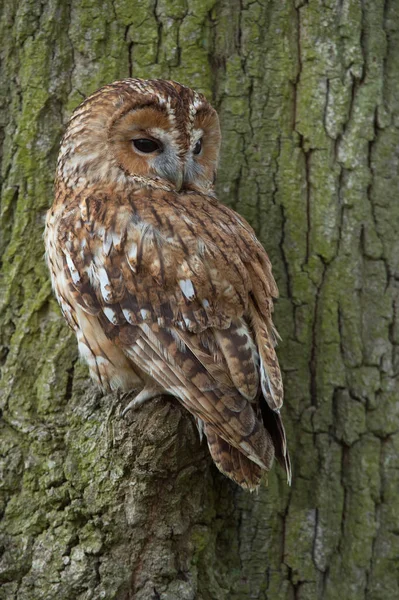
{"x":183,"y":287}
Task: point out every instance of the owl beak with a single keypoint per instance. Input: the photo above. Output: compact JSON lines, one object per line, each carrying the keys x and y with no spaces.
{"x":171,"y":168}
{"x":178,"y":179}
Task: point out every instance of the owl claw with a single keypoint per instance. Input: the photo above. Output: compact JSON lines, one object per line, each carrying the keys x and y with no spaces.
{"x":200,"y":427}
{"x":148,"y":393}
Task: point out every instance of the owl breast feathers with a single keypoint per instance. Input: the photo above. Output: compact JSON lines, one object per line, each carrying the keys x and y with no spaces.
{"x":167,"y":290}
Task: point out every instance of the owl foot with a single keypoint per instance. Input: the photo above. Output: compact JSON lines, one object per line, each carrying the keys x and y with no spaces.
{"x":149,"y":392}
{"x":200,"y":427}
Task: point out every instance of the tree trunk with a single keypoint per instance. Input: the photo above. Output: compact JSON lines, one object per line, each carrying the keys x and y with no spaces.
{"x":97,"y":507}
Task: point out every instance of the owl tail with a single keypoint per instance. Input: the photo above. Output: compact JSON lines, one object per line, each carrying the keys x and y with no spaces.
{"x":236,"y":465}
{"x":274,"y":424}
{"x":232,"y":462}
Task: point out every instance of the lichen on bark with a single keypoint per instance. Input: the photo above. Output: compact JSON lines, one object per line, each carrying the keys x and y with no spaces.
{"x":96,"y":507}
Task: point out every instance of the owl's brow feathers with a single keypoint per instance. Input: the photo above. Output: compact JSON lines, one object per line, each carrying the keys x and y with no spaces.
{"x":166,"y":289}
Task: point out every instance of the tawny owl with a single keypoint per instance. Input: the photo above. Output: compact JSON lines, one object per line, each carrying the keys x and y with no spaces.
{"x":167,"y":290}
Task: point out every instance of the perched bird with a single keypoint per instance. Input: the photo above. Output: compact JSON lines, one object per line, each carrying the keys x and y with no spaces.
{"x":167,"y":290}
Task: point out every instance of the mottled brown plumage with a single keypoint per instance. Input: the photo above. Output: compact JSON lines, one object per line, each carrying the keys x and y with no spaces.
{"x":166,"y":289}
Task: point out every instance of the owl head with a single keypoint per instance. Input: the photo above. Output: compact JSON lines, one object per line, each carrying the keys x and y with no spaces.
{"x":151,"y":132}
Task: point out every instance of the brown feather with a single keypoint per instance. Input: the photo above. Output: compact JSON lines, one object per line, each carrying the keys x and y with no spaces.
{"x":233,"y":463}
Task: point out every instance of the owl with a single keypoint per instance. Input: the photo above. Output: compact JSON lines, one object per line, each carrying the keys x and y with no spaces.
{"x":167,"y":290}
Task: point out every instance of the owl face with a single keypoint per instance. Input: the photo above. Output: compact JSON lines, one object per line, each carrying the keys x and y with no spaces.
{"x":155,"y":132}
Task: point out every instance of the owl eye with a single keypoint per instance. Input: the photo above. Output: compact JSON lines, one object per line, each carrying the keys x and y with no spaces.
{"x":147,"y":146}
{"x":198,"y":147}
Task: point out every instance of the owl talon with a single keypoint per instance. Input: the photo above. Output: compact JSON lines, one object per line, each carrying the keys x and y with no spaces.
{"x":148,"y":393}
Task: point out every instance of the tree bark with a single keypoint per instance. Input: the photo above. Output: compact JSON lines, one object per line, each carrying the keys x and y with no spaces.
{"x":97,"y":507}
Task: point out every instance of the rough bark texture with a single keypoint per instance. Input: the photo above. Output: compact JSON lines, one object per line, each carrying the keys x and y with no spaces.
{"x":96,"y":507}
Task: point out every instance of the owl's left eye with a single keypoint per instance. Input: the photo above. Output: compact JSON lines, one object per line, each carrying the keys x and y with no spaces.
{"x":146,"y":145}
{"x":198,"y":147}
